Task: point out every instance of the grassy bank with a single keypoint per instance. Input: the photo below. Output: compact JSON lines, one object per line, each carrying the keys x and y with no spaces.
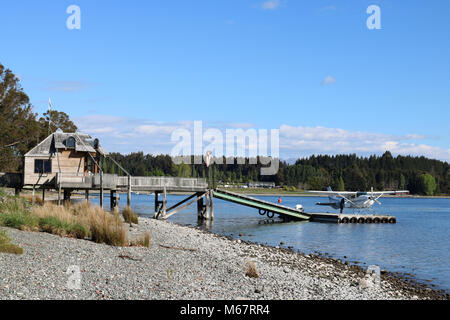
{"x":81,"y":221}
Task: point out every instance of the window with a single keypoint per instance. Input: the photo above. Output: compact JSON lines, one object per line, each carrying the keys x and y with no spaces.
{"x":42,"y":166}
{"x":70,"y":143}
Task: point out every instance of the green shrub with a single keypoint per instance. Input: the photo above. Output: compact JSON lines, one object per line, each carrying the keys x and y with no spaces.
{"x":6,"y":246}
{"x":19,"y":220}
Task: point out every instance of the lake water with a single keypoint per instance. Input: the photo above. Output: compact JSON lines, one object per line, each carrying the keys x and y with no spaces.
{"x":418,"y":244}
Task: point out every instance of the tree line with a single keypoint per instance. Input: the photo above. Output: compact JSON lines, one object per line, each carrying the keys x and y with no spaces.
{"x":419,"y":175}
{"x":21,"y":129}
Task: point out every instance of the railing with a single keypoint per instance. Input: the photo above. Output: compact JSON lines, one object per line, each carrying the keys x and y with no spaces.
{"x":74,"y":180}
{"x":113,"y":181}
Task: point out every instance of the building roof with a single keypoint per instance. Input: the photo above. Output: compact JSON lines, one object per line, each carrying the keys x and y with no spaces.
{"x":61,"y":140}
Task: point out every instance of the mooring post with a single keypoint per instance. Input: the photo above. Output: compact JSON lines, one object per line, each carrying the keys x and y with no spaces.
{"x":129,"y":192}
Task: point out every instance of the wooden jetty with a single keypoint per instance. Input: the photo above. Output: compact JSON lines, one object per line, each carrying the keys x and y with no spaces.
{"x":264,"y":207}
{"x":68,"y":162}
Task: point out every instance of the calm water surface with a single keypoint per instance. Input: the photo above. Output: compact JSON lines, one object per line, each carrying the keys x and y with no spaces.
{"x":418,"y":244}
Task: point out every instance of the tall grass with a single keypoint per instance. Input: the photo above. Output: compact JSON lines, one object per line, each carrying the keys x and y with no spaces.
{"x":83,"y":220}
{"x":143,"y":241}
{"x":129,"y":216}
{"x":79,"y":221}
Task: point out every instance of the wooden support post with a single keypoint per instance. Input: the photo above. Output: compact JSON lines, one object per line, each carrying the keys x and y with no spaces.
{"x":101,"y":189}
{"x":164,"y":207}
{"x":43,"y":195}
{"x":200,"y":207}
{"x":156,"y":204}
{"x":179,"y":207}
{"x":207,"y":213}
{"x":32,"y":196}
{"x":67,"y":195}
{"x":129,"y":192}
{"x":59,"y":194}
{"x":112,"y":201}
{"x":17,"y":191}
{"x":211,"y":197}
{"x":86,"y":195}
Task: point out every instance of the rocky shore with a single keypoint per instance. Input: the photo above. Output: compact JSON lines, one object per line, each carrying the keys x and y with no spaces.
{"x":184,"y":263}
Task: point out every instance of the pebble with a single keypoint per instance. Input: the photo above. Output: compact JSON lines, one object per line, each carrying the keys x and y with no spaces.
{"x":193,"y":265}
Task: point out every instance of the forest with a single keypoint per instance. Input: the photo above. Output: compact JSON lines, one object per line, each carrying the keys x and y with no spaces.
{"x":419,"y":175}
{"x":21,"y":129}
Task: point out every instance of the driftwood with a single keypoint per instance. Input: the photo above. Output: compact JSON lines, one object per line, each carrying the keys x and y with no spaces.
{"x":175,"y":248}
{"x":129,"y":258}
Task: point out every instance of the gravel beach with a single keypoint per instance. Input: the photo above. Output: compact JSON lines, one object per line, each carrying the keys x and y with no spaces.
{"x":182,"y":263}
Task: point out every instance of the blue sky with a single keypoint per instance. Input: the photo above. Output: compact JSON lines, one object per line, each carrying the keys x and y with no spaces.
{"x":136,"y":70}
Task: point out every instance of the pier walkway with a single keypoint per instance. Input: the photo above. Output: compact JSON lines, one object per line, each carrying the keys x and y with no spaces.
{"x":264,"y":207}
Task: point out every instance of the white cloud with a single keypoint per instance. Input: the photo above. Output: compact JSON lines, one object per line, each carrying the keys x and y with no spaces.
{"x":126,"y":135}
{"x":305,"y":141}
{"x":329,"y":80}
{"x":270,"y":5}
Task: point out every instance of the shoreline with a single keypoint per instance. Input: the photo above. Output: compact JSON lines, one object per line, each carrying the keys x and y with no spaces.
{"x":186,"y":263}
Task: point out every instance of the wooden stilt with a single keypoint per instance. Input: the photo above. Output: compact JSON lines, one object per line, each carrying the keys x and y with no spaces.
{"x":101,"y":189}
{"x":170,"y":213}
{"x":164,"y":207}
{"x":112,"y":200}
{"x":67,"y":195}
{"x":32,"y":196}
{"x":211,"y":197}
{"x":59,"y":195}
{"x":207,"y":213}
{"x":156,"y":205}
{"x":86,"y":195}
{"x":200,"y":207}
{"x":43,"y":195}
{"x":129,"y":192}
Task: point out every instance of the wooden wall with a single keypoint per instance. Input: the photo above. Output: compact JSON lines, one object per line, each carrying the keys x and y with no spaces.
{"x":70,"y":162}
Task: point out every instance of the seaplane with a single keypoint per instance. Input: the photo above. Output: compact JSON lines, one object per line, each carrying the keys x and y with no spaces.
{"x":356,"y":200}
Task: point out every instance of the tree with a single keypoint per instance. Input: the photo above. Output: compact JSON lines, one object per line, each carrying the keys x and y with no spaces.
{"x":18,"y":130}
{"x":54,"y":120}
{"x":428,"y":184}
{"x":341,"y":185}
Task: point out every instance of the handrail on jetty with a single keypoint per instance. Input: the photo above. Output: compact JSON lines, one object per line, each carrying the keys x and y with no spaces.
{"x":264,"y":207}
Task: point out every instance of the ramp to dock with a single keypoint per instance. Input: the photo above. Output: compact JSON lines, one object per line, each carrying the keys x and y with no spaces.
{"x":264,"y":207}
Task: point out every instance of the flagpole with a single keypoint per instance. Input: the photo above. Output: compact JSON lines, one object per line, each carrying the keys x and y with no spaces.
{"x":49,"y":114}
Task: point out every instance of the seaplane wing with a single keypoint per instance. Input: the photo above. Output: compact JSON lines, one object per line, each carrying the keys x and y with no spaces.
{"x":335,"y":193}
{"x":357,"y":193}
